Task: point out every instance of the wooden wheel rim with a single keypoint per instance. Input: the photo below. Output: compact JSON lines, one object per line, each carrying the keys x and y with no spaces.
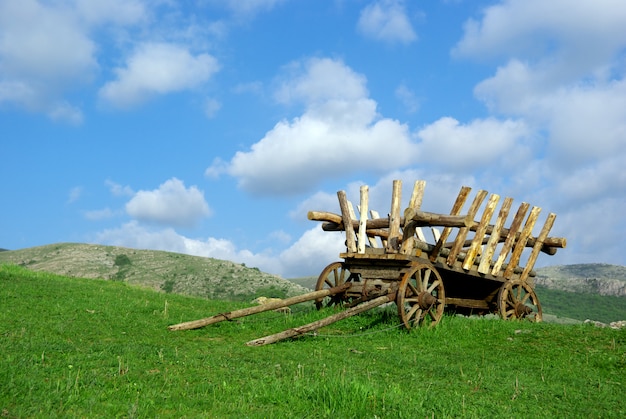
{"x":333,"y":275}
{"x":421,"y":296}
{"x":517,"y":300}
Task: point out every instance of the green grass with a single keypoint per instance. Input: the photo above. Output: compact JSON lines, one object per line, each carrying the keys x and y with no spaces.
{"x":91,"y":348}
{"x":582,"y":306}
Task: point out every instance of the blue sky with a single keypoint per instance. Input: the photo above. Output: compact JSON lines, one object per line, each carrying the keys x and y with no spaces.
{"x":211,"y":127}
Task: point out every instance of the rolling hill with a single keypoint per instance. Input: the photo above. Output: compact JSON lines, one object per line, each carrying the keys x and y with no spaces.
{"x":583,"y":291}
{"x":158,"y":270}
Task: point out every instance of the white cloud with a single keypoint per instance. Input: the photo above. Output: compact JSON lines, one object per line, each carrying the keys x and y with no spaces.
{"x":386,"y":20}
{"x":119,"y":190}
{"x":308,"y":256}
{"x":74,"y":194}
{"x":171,"y":204}
{"x":46,"y":49}
{"x":122,"y":12}
{"x":157,"y":68}
{"x":96,"y":215}
{"x":408,"y":98}
{"x":452,"y":145}
{"x":211,"y":107}
{"x":580,"y":37}
{"x":38,"y":62}
{"x":339,"y":133}
{"x":247,"y":8}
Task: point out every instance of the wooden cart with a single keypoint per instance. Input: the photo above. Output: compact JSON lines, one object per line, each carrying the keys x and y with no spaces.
{"x":469,"y":266}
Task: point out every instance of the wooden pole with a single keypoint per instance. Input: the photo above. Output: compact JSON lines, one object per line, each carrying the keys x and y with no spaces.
{"x":494,"y":239}
{"x":480,"y":232}
{"x":393,"y":243}
{"x":462,"y":234}
{"x":363,"y":218}
{"x":537,"y":247}
{"x":289,"y":333}
{"x":196,"y":324}
{"x":456,"y":209}
{"x":347,"y":221}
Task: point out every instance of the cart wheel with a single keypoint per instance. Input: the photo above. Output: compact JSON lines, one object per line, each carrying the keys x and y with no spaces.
{"x":334,"y":275}
{"x":517,"y":300}
{"x":421,"y":297}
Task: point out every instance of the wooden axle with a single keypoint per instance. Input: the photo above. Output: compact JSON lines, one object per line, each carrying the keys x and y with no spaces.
{"x":196,"y":324}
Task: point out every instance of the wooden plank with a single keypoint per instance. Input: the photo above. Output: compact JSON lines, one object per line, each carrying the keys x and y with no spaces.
{"x":460,"y":238}
{"x":456,"y":209}
{"x":347,"y":221}
{"x":538,"y":244}
{"x":297,"y":331}
{"x":393,"y":242}
{"x":521,"y":242}
{"x":510,"y":239}
{"x":436,"y":234}
{"x":468,"y":303}
{"x":480,"y":231}
{"x":363,"y":218}
{"x":487,"y":257}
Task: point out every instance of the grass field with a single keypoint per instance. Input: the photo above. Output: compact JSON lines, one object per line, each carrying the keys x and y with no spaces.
{"x":92,"y":348}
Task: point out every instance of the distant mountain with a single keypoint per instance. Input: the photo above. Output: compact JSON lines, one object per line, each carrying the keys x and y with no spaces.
{"x":159,"y":270}
{"x":590,"y":278}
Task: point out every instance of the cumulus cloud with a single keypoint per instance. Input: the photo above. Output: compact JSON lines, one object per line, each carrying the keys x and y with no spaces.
{"x":340,"y":132}
{"x":41,"y":62}
{"x":122,"y":12}
{"x":38,"y":62}
{"x":408,"y":98}
{"x":450,"y":144}
{"x":97,"y":215}
{"x":248,"y":8}
{"x":576,"y":38}
{"x":386,"y":20}
{"x":74,"y":194}
{"x":157,"y":68}
{"x":171,"y":204}
{"x":308,"y":256}
{"x":119,"y":190}
{"x":562,"y":73}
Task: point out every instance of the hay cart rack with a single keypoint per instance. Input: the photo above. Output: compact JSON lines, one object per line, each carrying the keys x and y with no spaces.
{"x":468,"y":266}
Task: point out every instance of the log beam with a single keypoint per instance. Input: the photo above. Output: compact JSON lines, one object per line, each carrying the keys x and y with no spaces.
{"x":196,"y":324}
{"x":297,"y":331}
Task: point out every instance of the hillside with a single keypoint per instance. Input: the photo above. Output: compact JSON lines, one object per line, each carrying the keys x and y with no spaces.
{"x":158,"y":270}
{"x":597,"y":289}
{"x":90,"y":348}
{"x":590,"y":278}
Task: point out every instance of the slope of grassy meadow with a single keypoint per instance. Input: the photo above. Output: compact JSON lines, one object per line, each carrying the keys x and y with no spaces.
{"x":91,"y":348}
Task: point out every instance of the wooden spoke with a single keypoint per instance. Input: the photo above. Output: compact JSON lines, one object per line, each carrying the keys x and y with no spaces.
{"x":332,"y":276}
{"x":517,"y":300}
{"x":421,"y":298}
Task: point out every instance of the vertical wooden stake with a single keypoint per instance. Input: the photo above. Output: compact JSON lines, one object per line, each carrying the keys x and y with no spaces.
{"x":537,"y":247}
{"x":494,"y":239}
{"x":456,"y":209}
{"x":393,"y":243}
{"x":347,"y":221}
{"x":363,"y":218}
